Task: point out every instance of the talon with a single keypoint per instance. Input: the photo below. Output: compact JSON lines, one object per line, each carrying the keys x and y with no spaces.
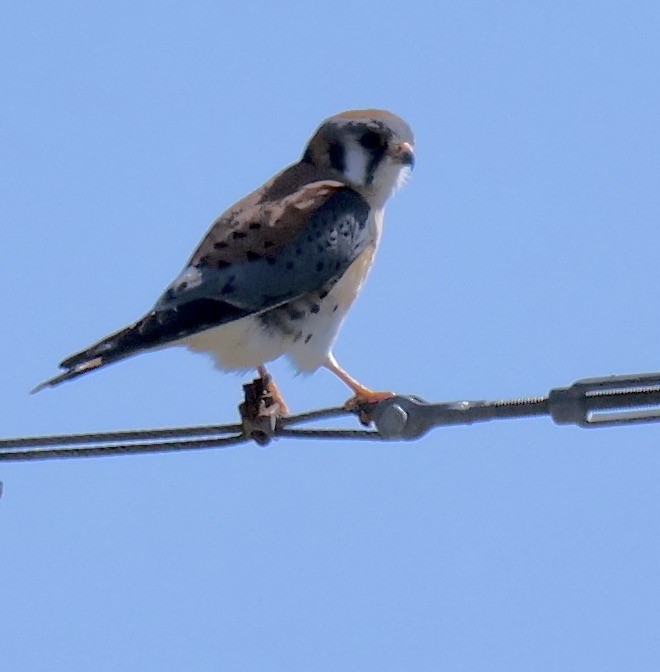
{"x":364,"y":397}
{"x":277,"y":407}
{"x":360,"y":403}
{"x":276,"y":404}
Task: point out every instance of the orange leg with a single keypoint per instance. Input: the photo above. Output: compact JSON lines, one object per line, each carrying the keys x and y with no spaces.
{"x":280,"y":406}
{"x":363,"y":395}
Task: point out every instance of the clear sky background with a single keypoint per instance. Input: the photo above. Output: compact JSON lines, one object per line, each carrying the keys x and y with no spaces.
{"x":521,"y":256}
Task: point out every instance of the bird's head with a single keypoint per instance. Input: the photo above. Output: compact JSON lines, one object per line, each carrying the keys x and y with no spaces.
{"x":370,"y":149}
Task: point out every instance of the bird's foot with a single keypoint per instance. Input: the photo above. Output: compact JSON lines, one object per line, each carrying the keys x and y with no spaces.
{"x":362,"y":400}
{"x":274,"y":403}
{"x":363,"y":397}
{"x":366,"y":396}
{"x":262,"y":406}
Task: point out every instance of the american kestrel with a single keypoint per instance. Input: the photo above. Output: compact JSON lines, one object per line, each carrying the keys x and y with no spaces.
{"x":276,"y":272}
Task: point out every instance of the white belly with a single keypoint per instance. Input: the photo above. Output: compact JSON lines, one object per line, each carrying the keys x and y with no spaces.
{"x":238,"y":346}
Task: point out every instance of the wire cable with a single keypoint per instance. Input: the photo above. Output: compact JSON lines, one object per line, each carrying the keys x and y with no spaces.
{"x":592,"y":402}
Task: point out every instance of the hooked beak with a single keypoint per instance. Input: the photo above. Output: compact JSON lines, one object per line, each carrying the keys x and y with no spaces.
{"x":404,"y":154}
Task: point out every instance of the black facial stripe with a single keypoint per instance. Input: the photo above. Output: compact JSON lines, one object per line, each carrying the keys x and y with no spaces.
{"x":376,"y":157}
{"x":336,"y":155}
{"x":376,"y":154}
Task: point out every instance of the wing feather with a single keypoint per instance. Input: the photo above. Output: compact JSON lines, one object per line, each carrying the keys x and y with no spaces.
{"x":316,"y":233}
{"x":266,"y":220}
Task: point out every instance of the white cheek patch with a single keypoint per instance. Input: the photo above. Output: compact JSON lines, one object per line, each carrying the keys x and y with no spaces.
{"x":404,"y":176}
{"x":356,"y":161}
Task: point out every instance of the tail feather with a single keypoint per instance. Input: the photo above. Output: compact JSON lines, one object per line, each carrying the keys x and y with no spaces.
{"x":120,"y":345}
{"x":71,"y":373}
{"x":155,"y":329}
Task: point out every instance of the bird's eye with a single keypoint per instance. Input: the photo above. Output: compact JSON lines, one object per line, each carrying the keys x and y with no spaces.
{"x":371,"y":140}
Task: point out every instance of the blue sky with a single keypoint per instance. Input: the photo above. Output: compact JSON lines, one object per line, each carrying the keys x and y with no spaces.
{"x":521,"y":256}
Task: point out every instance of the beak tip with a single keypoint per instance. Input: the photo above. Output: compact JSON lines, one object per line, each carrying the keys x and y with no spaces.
{"x":405,"y":154}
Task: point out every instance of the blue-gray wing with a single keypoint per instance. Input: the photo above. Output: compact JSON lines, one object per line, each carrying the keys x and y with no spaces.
{"x":327,"y":238}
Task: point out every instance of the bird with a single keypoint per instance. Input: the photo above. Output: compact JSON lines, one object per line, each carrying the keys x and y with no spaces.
{"x":277,"y":272}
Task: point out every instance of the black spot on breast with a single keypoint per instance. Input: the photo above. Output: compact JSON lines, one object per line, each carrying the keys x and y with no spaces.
{"x":269,"y":243}
{"x":314,"y":308}
{"x":322,"y":295}
{"x":319,"y":266}
{"x":298,"y":251}
{"x":275,"y":322}
{"x":295,"y":314}
{"x":308,"y":338}
{"x":297,"y":336}
{"x":228,"y":289}
{"x":255,"y":225}
{"x":334,"y":310}
{"x":182,"y":286}
{"x":337,"y":265}
{"x":238,"y":234}
{"x":252,"y":256}
{"x":220,"y":245}
{"x":222,"y":264}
